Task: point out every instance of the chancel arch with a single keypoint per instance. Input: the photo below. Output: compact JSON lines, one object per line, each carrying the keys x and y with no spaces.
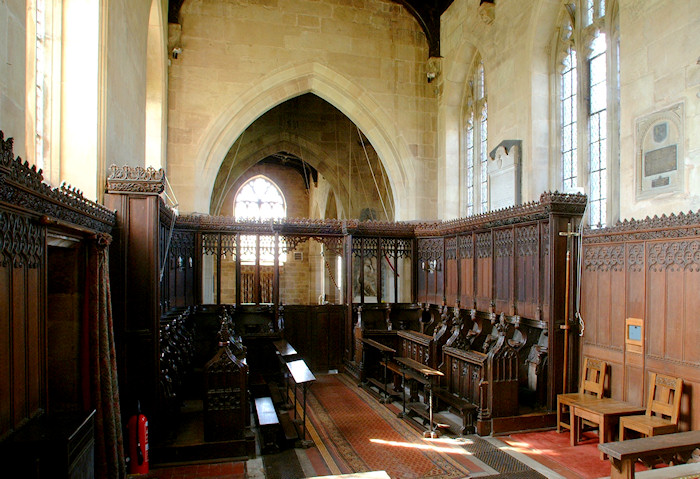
{"x":346,"y":96}
{"x":309,"y":135}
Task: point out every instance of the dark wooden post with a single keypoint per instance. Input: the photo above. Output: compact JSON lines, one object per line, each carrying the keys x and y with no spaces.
{"x":135,"y":281}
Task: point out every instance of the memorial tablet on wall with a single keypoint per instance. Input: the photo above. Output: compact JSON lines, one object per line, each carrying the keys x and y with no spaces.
{"x":659,"y":165}
{"x":504,"y":175}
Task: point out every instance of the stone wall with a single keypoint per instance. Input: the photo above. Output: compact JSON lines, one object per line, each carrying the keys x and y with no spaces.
{"x":659,"y":67}
{"x":241,"y":59}
{"x":12,"y":72}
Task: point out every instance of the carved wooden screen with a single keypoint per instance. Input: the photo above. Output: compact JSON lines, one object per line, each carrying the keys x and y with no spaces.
{"x":430,"y":270}
{"x":381,"y":269}
{"x":484,"y":270}
{"x":527,"y":264}
{"x":396,"y":270}
{"x":219,"y":268}
{"x":504,"y":277}
{"x":466,"y":258}
{"x":451,"y":270}
{"x":650,"y":270}
{"x":28,"y":208}
{"x":22,"y":353}
{"x":178,"y":286}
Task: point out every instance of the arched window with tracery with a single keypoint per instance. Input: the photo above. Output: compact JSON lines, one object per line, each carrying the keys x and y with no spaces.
{"x":586,"y":62}
{"x":475,"y":140}
{"x":259,"y":199}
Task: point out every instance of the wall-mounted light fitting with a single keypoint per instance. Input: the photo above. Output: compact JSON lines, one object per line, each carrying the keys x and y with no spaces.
{"x":430,"y":266}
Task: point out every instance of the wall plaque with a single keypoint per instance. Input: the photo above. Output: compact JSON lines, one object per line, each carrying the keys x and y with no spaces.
{"x":504,"y":175}
{"x":659,"y":141}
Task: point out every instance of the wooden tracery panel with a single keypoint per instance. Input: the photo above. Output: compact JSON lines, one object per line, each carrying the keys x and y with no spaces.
{"x":527,"y":266}
{"x":503,"y":274}
{"x":484,"y":270}
{"x":466,"y":258}
{"x":451,"y":270}
{"x":22,"y":351}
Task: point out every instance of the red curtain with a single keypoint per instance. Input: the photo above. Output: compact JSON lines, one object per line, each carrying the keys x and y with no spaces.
{"x":104,"y":388}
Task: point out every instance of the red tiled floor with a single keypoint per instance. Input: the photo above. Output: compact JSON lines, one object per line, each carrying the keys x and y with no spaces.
{"x":221,"y":470}
{"x":553,"y":450}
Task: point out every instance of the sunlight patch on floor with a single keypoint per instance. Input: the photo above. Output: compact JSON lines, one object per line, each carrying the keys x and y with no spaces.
{"x":425,"y":447}
{"x":525,"y":448}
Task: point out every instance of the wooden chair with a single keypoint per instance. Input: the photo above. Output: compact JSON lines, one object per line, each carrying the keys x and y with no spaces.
{"x":592,"y":385}
{"x":663,"y":407}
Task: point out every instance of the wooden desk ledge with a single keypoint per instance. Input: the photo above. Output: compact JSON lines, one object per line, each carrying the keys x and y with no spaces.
{"x":462,"y":405}
{"x":623,"y":454}
{"x":419,"y":367}
{"x":379,"y":346}
{"x":394,"y":367}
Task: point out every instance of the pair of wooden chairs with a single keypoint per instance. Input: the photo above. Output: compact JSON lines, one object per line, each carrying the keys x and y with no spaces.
{"x":663,"y":402}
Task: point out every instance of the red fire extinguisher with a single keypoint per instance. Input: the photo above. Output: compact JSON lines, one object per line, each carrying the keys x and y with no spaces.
{"x":137,"y":429}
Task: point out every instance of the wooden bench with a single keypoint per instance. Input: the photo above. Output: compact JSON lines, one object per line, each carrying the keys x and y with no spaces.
{"x":268,"y":423}
{"x":623,"y":454}
{"x":592,"y":385}
{"x":459,"y":406}
{"x":276,"y":394}
{"x":386,"y":353}
{"x":288,"y":428}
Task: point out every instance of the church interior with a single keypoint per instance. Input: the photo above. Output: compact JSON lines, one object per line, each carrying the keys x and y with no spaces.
{"x":350,"y":238}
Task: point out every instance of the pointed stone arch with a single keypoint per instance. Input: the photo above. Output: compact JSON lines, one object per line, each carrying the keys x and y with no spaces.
{"x":252,"y":153}
{"x":351,"y":99}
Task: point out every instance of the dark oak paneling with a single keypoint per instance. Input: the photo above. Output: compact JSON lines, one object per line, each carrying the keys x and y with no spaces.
{"x":316,"y":332}
{"x":22,"y":352}
{"x":650,"y":270}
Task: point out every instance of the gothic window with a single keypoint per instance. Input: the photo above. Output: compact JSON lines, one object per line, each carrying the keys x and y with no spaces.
{"x":568,"y":111}
{"x":588,"y":98}
{"x":470,"y":164}
{"x":475,"y":134}
{"x":259,"y":199}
